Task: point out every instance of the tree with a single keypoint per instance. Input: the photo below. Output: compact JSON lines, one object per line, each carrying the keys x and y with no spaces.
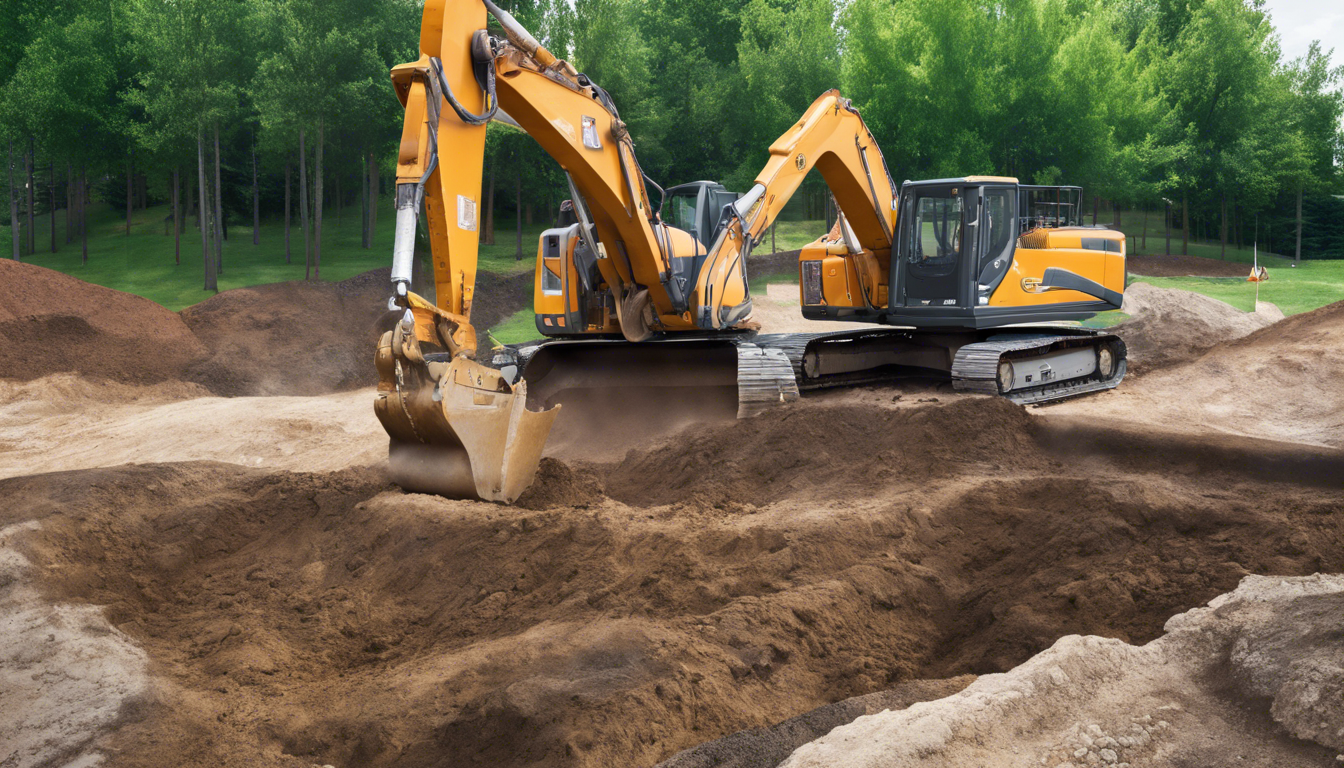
{"x":187,"y":54}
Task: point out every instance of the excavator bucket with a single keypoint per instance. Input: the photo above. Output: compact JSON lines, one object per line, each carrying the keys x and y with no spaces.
{"x":457,"y":428}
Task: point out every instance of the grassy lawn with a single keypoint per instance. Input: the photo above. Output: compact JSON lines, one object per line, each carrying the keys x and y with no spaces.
{"x":1302,"y":289}
{"x":142,"y":263}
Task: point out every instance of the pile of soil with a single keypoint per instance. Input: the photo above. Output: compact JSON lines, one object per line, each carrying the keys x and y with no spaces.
{"x":1281,"y":382}
{"x":498,"y":297}
{"x":778,"y":263}
{"x":1171,"y":325}
{"x":293,"y":338}
{"x":1182,"y":266}
{"x":51,"y":322}
{"x":300,"y":619}
{"x":1253,"y":679}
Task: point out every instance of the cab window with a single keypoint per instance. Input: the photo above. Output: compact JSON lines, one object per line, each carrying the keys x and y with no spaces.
{"x":679,"y":212}
{"x":934,"y":230}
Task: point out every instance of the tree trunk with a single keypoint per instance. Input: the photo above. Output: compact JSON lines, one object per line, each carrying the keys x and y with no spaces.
{"x":130,"y":190}
{"x":338,"y":200}
{"x":84,"y":213}
{"x":13,"y":204}
{"x":1168,"y":227}
{"x":1115,"y":207}
{"x":177,"y":217}
{"x":363,"y":199}
{"x":256,"y":196}
{"x":1185,"y":224}
{"x":371,"y":191}
{"x":303,"y":205}
{"x":317,"y":204}
{"x":1144,"y":237}
{"x":1222,"y":233}
{"x":375,"y":189}
{"x":220,"y":232}
{"x":32,"y":232}
{"x":286,"y":211}
{"x":1096,"y":203}
{"x":69,"y":203}
{"x":518,"y":209}
{"x":211,"y":278}
{"x":51,"y":191}
{"x":529,"y":214}
{"x":1297,"y":251}
{"x":488,"y":231}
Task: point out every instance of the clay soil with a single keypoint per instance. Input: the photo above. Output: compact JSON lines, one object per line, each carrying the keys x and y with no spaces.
{"x":294,"y":608}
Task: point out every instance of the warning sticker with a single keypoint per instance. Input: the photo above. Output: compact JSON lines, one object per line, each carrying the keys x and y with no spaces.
{"x":466,"y":213}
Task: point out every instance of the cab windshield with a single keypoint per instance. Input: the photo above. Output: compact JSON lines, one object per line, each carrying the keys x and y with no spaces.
{"x":679,"y":211}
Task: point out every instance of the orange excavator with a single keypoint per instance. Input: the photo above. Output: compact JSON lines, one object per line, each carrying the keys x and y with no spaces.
{"x":649,"y":304}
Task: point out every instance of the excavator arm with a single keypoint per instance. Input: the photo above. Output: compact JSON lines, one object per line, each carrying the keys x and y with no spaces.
{"x":457,"y":426}
{"x":832,"y":137}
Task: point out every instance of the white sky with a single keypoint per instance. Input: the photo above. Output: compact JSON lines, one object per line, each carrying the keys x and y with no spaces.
{"x":1301,"y":21}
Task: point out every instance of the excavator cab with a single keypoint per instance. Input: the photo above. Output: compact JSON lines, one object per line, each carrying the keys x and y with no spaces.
{"x":697,"y":208}
{"x":567,"y":293}
{"x":976,"y":252}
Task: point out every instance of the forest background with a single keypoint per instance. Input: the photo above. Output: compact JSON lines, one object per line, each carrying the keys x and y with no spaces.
{"x":279,"y":116}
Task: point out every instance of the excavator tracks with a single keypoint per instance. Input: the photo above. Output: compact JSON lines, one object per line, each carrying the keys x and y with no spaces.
{"x":976,"y":367}
{"x":749,"y":374}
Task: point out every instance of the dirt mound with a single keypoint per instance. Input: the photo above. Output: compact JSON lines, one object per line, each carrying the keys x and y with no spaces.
{"x":1282,"y":382}
{"x":498,"y":297}
{"x":294,"y":338}
{"x":842,"y":451}
{"x":51,"y":322}
{"x":313,"y":338}
{"x":1170,"y":325}
{"x":331,"y":619}
{"x":1195,"y":696}
{"x":1181,"y":266}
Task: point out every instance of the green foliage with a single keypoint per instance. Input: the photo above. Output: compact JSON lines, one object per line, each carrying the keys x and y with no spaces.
{"x":1136,"y":100}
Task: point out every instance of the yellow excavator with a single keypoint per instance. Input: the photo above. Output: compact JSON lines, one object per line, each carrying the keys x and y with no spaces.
{"x":637,"y":298}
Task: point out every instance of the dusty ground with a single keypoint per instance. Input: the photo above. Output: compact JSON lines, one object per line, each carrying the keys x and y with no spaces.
{"x":261,"y":595}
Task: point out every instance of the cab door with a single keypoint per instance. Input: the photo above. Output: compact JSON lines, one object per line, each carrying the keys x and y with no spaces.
{"x":936,"y":247}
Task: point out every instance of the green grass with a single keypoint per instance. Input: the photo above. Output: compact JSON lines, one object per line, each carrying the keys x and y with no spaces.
{"x":792,"y":235}
{"x":519,"y":327}
{"x":1311,"y":285}
{"x":142,"y":262}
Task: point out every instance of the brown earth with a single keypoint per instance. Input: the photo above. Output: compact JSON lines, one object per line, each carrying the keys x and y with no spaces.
{"x":294,"y":338}
{"x":1181,"y":266}
{"x":1282,"y":382}
{"x":726,"y":577}
{"x":300,"y":619}
{"x":51,"y":322}
{"x":1170,"y":325}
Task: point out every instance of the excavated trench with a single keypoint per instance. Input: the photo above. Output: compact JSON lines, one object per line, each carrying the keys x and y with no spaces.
{"x":731,"y":577}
